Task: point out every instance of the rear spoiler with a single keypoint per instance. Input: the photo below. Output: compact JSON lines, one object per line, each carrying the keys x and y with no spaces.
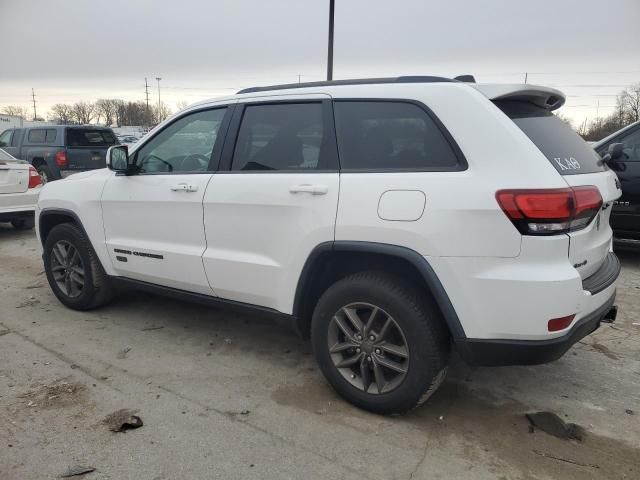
{"x":544,"y":97}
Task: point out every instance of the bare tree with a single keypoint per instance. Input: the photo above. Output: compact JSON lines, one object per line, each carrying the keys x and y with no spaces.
{"x":106,"y":108}
{"x":16,"y":110}
{"x":61,"y":113}
{"x":83,"y":112}
{"x":182,"y":104}
{"x":161,"y":112}
{"x":630,"y":102}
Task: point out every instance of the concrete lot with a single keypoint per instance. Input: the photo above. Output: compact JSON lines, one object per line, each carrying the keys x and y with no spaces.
{"x":235,"y":397}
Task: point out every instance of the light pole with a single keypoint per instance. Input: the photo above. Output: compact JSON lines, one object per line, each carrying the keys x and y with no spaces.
{"x":330,"y":46}
{"x":159,"y":104}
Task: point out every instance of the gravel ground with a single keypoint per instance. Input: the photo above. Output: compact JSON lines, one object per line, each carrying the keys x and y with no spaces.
{"x":229,"y":396}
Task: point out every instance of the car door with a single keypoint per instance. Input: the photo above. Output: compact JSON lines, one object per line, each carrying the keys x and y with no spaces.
{"x":625,"y":219}
{"x":273,"y":200}
{"x":153,"y":219}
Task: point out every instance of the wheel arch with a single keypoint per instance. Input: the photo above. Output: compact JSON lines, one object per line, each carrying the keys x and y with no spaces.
{"x":331,"y":261}
{"x":51,"y":217}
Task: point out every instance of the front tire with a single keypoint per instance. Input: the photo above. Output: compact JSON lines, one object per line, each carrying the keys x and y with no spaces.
{"x":380,"y":342}
{"x":73,"y":269}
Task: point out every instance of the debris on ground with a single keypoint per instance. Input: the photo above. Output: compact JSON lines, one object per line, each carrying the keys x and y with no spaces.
{"x":28,"y":303}
{"x":4,"y":332}
{"x":565,"y":460}
{"x":628,"y":411}
{"x":122,"y":420}
{"x":152,"y":327}
{"x":76,"y":471}
{"x":122,"y":354}
{"x":57,"y":394}
{"x":552,"y":424}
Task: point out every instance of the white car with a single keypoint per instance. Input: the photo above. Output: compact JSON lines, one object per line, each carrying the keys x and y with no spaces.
{"x":389,"y":219}
{"x":127,"y":139}
{"x":20,"y":185}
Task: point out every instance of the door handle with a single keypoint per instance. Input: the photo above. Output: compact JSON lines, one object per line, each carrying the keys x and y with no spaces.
{"x":184,"y":187}
{"x":312,"y":189}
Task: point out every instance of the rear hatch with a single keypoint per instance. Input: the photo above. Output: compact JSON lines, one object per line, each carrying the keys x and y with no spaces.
{"x":14,"y":174}
{"x":579,"y":166}
{"x":87,"y":147}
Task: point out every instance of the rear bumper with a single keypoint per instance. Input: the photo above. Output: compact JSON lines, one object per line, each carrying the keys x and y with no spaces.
{"x":485,"y":352}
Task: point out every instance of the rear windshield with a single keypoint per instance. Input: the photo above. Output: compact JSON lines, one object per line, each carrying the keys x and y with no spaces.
{"x":86,"y":137}
{"x":564,"y":148}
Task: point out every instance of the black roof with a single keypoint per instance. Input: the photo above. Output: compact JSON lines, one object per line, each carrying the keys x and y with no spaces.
{"x":359,"y":81}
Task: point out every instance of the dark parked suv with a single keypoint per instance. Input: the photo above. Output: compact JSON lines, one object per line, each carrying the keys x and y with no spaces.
{"x":58,"y":151}
{"x":625,"y":161}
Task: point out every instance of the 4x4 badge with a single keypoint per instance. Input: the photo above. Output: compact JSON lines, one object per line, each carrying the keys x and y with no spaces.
{"x":617,"y":183}
{"x":598,"y":222}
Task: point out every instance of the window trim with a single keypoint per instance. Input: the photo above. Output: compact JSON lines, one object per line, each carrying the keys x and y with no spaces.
{"x":214,"y":160}
{"x":461,"y":165}
{"x":328,"y":126}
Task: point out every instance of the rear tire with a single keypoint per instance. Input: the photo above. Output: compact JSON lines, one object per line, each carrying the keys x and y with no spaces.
{"x":73,"y":269}
{"x":23,"y":223}
{"x":418,"y":336}
{"x":45,"y":173}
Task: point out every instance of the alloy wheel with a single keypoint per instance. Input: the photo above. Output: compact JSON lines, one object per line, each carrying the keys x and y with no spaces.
{"x":67,"y":268}
{"x":368,"y":348}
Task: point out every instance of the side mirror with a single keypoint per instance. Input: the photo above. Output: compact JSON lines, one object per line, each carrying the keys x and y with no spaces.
{"x":616,"y":150}
{"x":118,"y":158}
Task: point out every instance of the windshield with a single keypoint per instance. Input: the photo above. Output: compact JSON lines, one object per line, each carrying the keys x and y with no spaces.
{"x":563,"y":147}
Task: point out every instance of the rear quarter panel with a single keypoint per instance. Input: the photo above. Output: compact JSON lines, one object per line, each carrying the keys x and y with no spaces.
{"x":461,"y":215}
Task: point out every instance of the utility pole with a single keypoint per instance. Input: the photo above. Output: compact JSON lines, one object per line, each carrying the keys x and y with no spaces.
{"x":159,"y":104}
{"x":330,"y":46}
{"x":33,"y":95}
{"x":146,"y":92}
{"x":525,"y":77}
{"x":299,"y":76}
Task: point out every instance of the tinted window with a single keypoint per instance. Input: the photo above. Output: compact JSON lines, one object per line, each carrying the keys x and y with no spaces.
{"x":16,"y":137}
{"x":89,"y":137}
{"x":37,"y":136}
{"x":631,"y":148}
{"x":563,"y":147}
{"x":50,"y":136}
{"x":5,"y":138}
{"x":186,"y":145}
{"x":390,"y":136}
{"x":282,"y":137}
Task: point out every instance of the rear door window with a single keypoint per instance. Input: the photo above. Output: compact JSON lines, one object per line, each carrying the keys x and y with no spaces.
{"x":383,"y":135}
{"x":282,"y":137}
{"x":87,"y":137}
{"x":564,"y":148}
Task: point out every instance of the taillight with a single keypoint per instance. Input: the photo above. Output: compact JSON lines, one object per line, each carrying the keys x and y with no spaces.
{"x":550,"y":211}
{"x":34,"y":177}
{"x":61,"y":158}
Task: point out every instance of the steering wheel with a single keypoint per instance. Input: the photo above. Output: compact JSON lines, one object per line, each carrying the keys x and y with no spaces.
{"x":194,"y":162}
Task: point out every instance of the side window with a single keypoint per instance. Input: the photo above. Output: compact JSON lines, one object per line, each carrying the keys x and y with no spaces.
{"x":5,"y":138}
{"x":50,"y":136}
{"x":381,"y":135}
{"x":631,"y":146}
{"x":186,"y":145}
{"x":37,"y":136}
{"x":287,"y":137}
{"x":16,"y":137}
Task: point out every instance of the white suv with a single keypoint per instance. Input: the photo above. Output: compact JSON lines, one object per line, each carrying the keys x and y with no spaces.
{"x":389,"y":219}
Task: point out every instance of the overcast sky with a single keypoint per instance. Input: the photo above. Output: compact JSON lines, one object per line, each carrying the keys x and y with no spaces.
{"x":82,"y":50}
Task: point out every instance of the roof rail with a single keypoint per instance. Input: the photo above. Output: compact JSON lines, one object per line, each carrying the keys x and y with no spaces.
{"x":359,"y":81}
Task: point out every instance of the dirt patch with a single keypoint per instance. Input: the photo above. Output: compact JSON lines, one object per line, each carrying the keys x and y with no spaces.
{"x":598,"y":347}
{"x":497,"y":428}
{"x":62,"y":393}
